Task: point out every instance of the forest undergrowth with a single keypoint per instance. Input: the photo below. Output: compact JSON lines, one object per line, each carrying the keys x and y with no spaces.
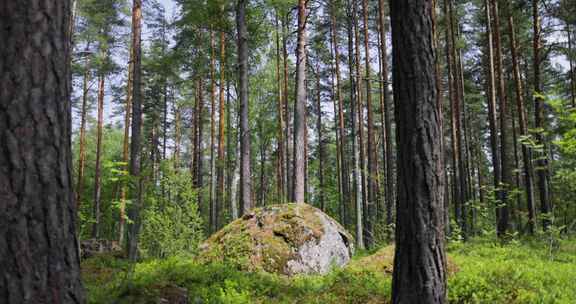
{"x":480,"y":271}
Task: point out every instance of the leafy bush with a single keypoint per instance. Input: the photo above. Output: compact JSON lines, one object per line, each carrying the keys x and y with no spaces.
{"x":172,"y":225}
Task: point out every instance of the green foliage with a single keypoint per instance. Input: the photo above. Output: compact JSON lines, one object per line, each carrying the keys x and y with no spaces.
{"x":112,"y":174}
{"x":481,"y":271}
{"x":172,"y":224}
{"x":515,"y":273}
{"x":219,"y":283}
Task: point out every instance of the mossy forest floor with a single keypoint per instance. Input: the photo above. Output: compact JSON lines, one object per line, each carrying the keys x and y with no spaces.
{"x":480,"y":271}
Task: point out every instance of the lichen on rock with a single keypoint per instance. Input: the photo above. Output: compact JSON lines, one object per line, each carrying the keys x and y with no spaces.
{"x":286,"y":239}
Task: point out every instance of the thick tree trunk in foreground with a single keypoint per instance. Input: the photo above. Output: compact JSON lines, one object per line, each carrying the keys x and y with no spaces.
{"x":245,"y":176}
{"x":135,"y":144}
{"x":298,"y":190}
{"x":39,"y":258}
{"x":419,"y":265}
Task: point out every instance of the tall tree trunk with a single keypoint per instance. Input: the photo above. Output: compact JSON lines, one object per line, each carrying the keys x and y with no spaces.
{"x":229,"y":152}
{"x":387,"y":150}
{"x":126,"y":147}
{"x":83,"y":114}
{"x":507,"y":168}
{"x":542,"y":160}
{"x":298,"y":190}
{"x":262,"y":148}
{"x":342,"y":207}
{"x":523,"y":127}
{"x":492,"y":115}
{"x":420,"y":262}
{"x":353,"y":113}
{"x":135,"y":144}
{"x":287,"y":158}
{"x":235,"y":212}
{"x":97,"y":167}
{"x":456,"y":117}
{"x":198,"y":163}
{"x":571,"y":66}
{"x":452,"y":95}
{"x":245,"y":175}
{"x":38,"y":246}
{"x":373,"y":179}
{"x":341,"y":145}
{"x":177,"y":136}
{"x":222,"y":118}
{"x":165,"y":119}
{"x":360,"y":111}
{"x":440,"y":107}
{"x":212,"y":217}
{"x":320,"y":139}
{"x":515,"y":214}
{"x":281,"y":152}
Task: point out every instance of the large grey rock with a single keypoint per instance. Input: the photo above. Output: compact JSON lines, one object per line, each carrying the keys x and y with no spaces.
{"x":287,"y":239}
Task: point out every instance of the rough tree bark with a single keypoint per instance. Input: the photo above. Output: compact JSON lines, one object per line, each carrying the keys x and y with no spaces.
{"x":39,"y":258}
{"x":298,"y":189}
{"x":287,"y":160}
{"x":388,"y":162}
{"x":198,"y":127}
{"x":222,"y":118}
{"x":360,"y":112}
{"x":136,"y":128}
{"x":320,"y":139}
{"x":420,"y":263}
{"x":245,"y":176}
{"x":212,"y":195}
{"x":354,"y":118}
{"x":373,"y":179}
{"x":281,"y":152}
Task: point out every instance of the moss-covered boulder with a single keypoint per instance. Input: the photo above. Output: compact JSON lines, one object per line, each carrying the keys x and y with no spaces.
{"x":286,"y":239}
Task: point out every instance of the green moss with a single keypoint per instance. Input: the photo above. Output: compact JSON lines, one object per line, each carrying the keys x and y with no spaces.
{"x":265,"y":239}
